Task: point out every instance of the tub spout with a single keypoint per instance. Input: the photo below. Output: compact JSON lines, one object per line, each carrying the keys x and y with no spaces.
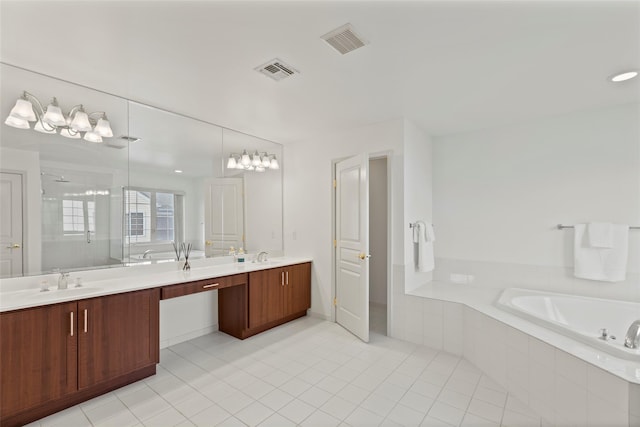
{"x":632,"y":340}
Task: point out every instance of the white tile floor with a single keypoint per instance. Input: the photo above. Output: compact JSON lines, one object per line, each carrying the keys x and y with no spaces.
{"x":309,"y":373}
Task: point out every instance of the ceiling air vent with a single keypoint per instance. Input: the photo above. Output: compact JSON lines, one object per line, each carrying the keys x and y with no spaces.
{"x":344,"y":39}
{"x":276,"y":70}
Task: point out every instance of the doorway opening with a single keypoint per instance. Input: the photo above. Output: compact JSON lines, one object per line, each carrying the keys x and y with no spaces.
{"x":362,"y":296}
{"x":378,"y":245}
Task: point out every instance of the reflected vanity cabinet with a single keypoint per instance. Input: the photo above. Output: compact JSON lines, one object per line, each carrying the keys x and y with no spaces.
{"x":55,"y":356}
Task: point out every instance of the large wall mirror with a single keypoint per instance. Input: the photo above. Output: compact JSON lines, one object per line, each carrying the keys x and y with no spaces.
{"x":162,"y":178}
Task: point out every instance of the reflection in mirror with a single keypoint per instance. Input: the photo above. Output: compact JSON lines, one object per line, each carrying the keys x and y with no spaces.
{"x":171,"y":158}
{"x":59,"y":194}
{"x":262,"y":189}
{"x":161,"y":179}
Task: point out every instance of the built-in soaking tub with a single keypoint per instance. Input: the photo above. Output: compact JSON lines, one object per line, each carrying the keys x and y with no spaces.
{"x":578,"y":317}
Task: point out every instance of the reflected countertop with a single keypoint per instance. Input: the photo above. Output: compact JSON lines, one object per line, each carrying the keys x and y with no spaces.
{"x":132,"y":279}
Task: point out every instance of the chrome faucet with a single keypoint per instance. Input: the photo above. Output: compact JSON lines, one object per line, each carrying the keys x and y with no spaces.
{"x":262,"y":256}
{"x":632,"y":340}
{"x":63,"y":280}
{"x":147,"y":252}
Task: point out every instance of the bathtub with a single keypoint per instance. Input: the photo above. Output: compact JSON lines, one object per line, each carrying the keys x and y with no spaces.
{"x":581,"y":318}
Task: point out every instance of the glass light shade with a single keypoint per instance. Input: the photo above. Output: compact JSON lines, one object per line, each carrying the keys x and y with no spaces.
{"x":266,"y":161}
{"x":23,"y":110}
{"x":40,"y":128}
{"x":250,"y":168}
{"x":246,"y":160}
{"x":239,"y":165}
{"x":231,"y":164}
{"x":80,"y":122}
{"x":70,"y":134}
{"x":53,"y":115}
{"x":255,"y":160}
{"x":17,"y":123}
{"x":259,"y":169}
{"x":103,"y":128}
{"x":274,"y":163}
{"x":92,"y":137}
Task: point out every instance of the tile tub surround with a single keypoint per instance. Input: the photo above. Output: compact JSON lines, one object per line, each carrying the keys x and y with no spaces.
{"x":308,"y":372}
{"x":125,"y":279}
{"x":566,"y":382}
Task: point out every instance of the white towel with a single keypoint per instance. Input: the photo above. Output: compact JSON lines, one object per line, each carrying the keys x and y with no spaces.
{"x":600,"y":234}
{"x":424,"y":236}
{"x":604,"y":264}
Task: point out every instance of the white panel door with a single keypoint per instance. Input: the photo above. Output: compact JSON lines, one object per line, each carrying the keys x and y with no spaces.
{"x":352,"y":245}
{"x":11,"y":225}
{"x":224,"y":215}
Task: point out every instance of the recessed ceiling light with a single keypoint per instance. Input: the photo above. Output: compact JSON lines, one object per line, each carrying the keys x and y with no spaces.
{"x":627,"y":75}
{"x":177,"y":171}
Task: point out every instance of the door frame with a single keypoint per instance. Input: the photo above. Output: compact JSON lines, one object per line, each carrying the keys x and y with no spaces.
{"x":388,"y":154}
{"x":25,"y":217}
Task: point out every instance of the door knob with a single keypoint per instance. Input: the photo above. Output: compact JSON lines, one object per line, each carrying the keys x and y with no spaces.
{"x":14,"y":246}
{"x":208,"y":242}
{"x":364,"y":256}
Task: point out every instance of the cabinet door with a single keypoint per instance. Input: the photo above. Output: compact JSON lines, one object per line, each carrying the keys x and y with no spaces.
{"x":297,"y":289}
{"x":38,"y":356}
{"x":117,"y":334}
{"x":265,"y":296}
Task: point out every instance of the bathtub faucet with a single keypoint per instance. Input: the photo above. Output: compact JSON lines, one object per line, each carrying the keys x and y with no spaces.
{"x":632,"y":340}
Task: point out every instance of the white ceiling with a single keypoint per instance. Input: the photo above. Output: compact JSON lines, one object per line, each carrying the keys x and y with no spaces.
{"x":448,"y":66}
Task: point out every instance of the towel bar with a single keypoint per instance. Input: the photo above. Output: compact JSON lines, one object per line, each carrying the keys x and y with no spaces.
{"x":562,"y":227}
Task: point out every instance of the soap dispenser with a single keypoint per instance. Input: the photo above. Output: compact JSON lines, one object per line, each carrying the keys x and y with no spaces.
{"x":240,"y":255}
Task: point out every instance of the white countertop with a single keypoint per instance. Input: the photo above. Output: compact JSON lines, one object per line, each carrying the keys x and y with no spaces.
{"x":127,"y":282}
{"x":483,"y":299}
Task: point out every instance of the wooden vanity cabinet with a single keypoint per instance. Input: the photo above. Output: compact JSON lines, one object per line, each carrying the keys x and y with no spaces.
{"x":267,"y":299}
{"x":117,"y":335}
{"x":297,"y":289}
{"x":278,"y":295}
{"x":38,"y":356}
{"x":55,"y":356}
{"x":266,"y":303}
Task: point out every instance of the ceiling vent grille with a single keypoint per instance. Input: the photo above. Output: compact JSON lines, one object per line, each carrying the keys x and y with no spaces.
{"x":276,"y":70}
{"x":344,"y":39}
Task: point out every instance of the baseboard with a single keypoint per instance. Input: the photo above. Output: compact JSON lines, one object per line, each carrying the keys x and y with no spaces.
{"x":318,"y":315}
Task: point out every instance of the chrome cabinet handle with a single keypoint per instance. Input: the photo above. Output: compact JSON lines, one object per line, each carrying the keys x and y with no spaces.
{"x":72,"y":323}
{"x":287,"y":282}
{"x":86,"y":320}
{"x":210,"y":286}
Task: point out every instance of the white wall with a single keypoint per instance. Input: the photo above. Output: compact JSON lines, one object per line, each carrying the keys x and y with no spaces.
{"x":28,"y":162}
{"x":500,"y":192}
{"x":417,"y":196}
{"x":308,"y":197}
{"x":378,"y":244}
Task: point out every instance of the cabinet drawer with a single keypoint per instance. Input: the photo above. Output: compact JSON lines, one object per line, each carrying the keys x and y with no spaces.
{"x":204,"y":285}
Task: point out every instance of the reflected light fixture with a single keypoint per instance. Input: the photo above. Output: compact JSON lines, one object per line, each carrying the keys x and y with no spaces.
{"x":76,"y":124}
{"x":257,"y":161}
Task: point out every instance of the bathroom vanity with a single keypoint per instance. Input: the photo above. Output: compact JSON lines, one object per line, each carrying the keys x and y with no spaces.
{"x":56,"y":355}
